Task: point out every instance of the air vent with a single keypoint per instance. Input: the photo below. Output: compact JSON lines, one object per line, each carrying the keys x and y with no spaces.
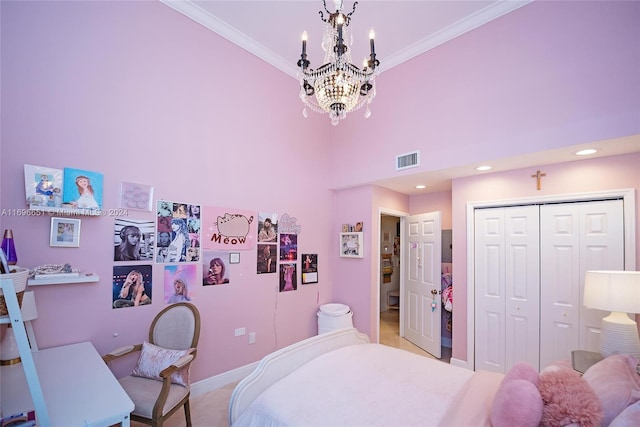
{"x":408,"y":160}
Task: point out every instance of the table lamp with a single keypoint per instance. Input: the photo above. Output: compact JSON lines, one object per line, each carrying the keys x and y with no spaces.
{"x":9,"y":352}
{"x":619,"y":293}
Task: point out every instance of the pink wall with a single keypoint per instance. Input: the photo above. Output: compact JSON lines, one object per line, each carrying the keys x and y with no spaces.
{"x":548,"y":75}
{"x":431,"y":202}
{"x":607,"y":173}
{"x":141,"y":93}
{"x":356,"y":280}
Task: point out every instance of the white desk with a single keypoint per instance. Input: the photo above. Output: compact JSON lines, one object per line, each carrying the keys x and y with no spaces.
{"x":78,"y":388}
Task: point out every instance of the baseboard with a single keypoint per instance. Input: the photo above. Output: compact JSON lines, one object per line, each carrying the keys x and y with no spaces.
{"x":218,"y":381}
{"x":458,"y":362}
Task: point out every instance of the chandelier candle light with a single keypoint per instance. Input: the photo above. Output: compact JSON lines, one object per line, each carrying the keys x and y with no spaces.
{"x":338,"y":86}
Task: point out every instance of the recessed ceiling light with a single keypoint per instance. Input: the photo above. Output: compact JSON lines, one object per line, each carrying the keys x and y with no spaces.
{"x":421,"y":186}
{"x":483,"y":168}
{"x":586,"y":152}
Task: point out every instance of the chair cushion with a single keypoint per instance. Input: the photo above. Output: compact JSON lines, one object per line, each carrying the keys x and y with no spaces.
{"x":154,"y":359}
{"x":144,"y":393}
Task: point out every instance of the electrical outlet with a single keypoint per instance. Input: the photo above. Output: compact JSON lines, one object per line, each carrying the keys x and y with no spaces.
{"x":252,"y":338}
{"x":240,"y":331}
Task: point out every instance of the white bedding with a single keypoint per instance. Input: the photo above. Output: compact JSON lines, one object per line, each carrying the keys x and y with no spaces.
{"x":360,"y":385}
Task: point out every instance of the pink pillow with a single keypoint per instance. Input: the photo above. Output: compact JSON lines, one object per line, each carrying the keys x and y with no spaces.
{"x":616,"y":383}
{"x":154,"y":359}
{"x":516,"y":403}
{"x":568,"y":399}
{"x":522,"y":371}
{"x":629,"y":417}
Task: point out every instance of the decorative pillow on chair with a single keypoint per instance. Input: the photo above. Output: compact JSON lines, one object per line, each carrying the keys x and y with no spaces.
{"x":568,"y":399}
{"x":616,"y":383}
{"x":154,"y":359}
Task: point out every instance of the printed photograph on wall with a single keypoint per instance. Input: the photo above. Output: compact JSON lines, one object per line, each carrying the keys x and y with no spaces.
{"x":268,"y":226}
{"x":288,"y":247}
{"x":228,"y":229}
{"x":82,"y":188}
{"x":133,"y":239}
{"x":64,"y":233}
{"x":43,"y":186}
{"x":266,"y":262}
{"x":288,"y":277}
{"x":177,"y":232}
{"x":131,"y":285}
{"x":136,"y":196}
{"x":214,"y":268}
{"x":351,"y":245}
{"x":309,"y":268}
{"x":180,"y":282}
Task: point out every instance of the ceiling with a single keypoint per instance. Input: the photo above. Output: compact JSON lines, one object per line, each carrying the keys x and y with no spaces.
{"x":271,"y":30}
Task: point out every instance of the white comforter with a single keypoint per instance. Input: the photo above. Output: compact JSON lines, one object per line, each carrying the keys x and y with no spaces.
{"x":360,"y":385}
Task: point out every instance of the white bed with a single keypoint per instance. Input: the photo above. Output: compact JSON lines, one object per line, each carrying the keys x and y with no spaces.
{"x":340,"y":379}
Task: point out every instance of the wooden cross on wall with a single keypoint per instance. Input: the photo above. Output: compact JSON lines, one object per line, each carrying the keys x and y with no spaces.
{"x":538,"y":176}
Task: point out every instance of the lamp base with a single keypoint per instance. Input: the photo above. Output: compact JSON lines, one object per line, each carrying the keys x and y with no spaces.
{"x":619,"y":335}
{"x":9,"y":352}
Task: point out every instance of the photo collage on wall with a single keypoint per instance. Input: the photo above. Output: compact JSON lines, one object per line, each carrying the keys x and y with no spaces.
{"x":177,"y":232}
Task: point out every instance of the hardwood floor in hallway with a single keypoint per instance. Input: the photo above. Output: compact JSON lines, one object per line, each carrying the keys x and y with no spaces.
{"x":389,"y":335}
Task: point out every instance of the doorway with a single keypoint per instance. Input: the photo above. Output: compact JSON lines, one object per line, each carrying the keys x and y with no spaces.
{"x":391,"y":285}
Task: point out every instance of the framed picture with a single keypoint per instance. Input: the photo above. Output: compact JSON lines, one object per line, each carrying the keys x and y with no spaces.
{"x":351,"y":245}
{"x":65,"y":233}
{"x":234,"y":258}
{"x":43,"y":186}
{"x":82,"y":188}
{"x":136,"y":196}
{"x":309,"y":268}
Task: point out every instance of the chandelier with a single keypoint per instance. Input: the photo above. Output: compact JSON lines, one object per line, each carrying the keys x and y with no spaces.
{"x":337,"y":87}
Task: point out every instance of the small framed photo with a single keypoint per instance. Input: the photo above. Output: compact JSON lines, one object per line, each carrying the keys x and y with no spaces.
{"x":309,"y":268}
{"x":65,"y":233}
{"x":234,"y":257}
{"x":351,"y":245}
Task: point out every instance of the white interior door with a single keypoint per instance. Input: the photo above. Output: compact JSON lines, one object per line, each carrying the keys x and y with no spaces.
{"x":507,"y":287}
{"x":575,"y":238}
{"x":421,"y":296}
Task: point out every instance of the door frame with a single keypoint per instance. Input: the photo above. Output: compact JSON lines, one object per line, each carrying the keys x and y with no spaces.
{"x":629,"y":209}
{"x":402,"y":216}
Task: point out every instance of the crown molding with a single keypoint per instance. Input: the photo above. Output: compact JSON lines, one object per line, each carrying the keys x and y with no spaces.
{"x":212,"y":22}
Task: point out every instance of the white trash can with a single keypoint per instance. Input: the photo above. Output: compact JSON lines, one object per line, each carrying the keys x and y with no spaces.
{"x":334,"y":316}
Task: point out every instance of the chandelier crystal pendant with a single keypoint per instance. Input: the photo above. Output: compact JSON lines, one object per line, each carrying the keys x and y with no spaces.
{"x":337,"y":87}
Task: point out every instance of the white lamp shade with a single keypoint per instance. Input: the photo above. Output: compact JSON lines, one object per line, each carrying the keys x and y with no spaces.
{"x":612,"y":290}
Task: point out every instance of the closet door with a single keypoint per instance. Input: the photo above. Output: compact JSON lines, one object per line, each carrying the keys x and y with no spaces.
{"x":575,"y":238}
{"x":490,"y":287}
{"x":507,"y":287}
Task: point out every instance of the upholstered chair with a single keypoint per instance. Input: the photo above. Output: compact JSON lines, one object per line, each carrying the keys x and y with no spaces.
{"x":159,"y":384}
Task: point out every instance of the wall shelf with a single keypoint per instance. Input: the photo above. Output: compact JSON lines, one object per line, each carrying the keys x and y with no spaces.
{"x":64,"y":211}
{"x":83,"y":278}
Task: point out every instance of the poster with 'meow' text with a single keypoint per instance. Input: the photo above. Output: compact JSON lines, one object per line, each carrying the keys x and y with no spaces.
{"x":228,"y":229}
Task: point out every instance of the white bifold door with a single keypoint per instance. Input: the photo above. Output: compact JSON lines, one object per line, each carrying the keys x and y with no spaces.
{"x":529,"y":273}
